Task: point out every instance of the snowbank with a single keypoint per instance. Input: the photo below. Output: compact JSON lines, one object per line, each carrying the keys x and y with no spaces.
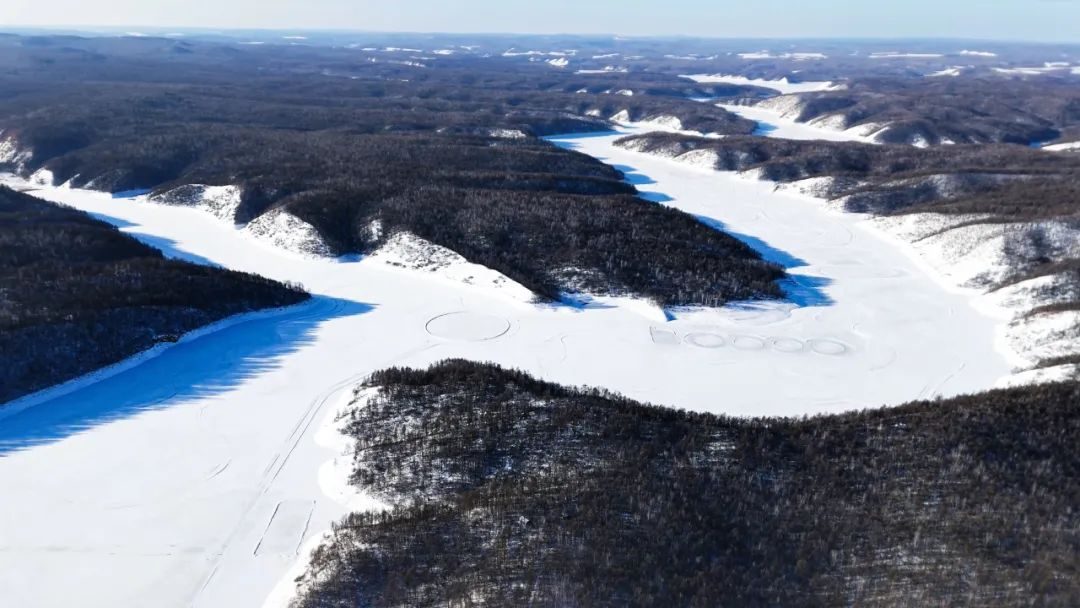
{"x":276,"y":227}
{"x":334,"y":482}
{"x":284,"y":230}
{"x":220,"y":201}
{"x":985,"y":257}
{"x":43,"y":177}
{"x":11,"y":153}
{"x":407,"y":251}
{"x":982,"y":255}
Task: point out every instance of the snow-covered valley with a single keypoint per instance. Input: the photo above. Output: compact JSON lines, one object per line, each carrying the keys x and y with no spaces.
{"x":193,"y":478}
{"x":777,"y":118}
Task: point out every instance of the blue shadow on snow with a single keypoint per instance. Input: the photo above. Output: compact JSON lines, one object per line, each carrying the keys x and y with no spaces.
{"x":167,"y":246}
{"x":801,"y":290}
{"x":764,"y":129}
{"x":212,"y":364}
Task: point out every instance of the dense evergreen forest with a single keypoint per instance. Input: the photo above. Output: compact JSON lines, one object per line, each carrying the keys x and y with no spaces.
{"x":958,"y":110}
{"x":511,"y":491}
{"x":454,"y":163}
{"x":1010,"y":182}
{"x":76,"y":294}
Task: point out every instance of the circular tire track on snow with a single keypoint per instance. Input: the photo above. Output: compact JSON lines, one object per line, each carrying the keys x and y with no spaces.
{"x":748,"y":342}
{"x":467,"y":326}
{"x":787,"y":345}
{"x":706,"y":340}
{"x":824,"y":346}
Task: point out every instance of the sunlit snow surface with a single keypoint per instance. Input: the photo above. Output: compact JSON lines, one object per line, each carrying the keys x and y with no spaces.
{"x":775,"y":123}
{"x":192,"y":479}
{"x":783,"y":85}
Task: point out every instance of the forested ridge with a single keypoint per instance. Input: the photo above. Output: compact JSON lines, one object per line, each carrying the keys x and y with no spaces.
{"x":76,"y":294}
{"x":1008,"y":181}
{"x":513,"y":491}
{"x":976,"y":110}
{"x":1027,"y":199}
{"x":453,"y":159}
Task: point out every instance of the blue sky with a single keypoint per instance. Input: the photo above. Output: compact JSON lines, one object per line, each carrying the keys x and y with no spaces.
{"x":1047,"y":20}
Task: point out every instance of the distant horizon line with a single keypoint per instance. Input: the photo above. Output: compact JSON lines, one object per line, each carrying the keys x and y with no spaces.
{"x":178,"y":29}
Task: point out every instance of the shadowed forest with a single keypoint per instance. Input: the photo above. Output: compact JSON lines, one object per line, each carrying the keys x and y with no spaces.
{"x":513,"y":491}
{"x":78,"y":295}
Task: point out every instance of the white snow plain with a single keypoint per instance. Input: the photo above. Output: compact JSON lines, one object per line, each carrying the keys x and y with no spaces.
{"x":193,"y":478}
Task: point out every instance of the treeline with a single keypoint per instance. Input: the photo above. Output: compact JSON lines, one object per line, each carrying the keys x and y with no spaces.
{"x":1011,"y":182}
{"x":611,"y":244}
{"x":553,"y":220}
{"x":78,"y":295}
{"x":968,"y":110}
{"x":451,"y":158}
{"x":491,"y":88}
{"x":512,"y":491}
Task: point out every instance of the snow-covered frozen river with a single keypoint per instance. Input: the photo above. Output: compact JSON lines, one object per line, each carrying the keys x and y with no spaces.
{"x":192,"y":479}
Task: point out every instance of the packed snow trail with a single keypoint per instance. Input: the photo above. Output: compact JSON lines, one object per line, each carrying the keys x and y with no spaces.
{"x":192,"y":479}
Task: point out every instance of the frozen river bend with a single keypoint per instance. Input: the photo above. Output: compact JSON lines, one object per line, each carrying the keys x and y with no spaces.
{"x":192,"y":478}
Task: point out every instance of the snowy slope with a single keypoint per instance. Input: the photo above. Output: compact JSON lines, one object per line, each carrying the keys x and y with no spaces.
{"x":970,"y":254}
{"x":286,"y":231}
{"x":10,"y":153}
{"x":220,"y":201}
{"x":408,"y":251}
{"x":276,"y":227}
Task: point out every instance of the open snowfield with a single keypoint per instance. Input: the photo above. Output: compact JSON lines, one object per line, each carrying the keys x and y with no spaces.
{"x":192,"y":478}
